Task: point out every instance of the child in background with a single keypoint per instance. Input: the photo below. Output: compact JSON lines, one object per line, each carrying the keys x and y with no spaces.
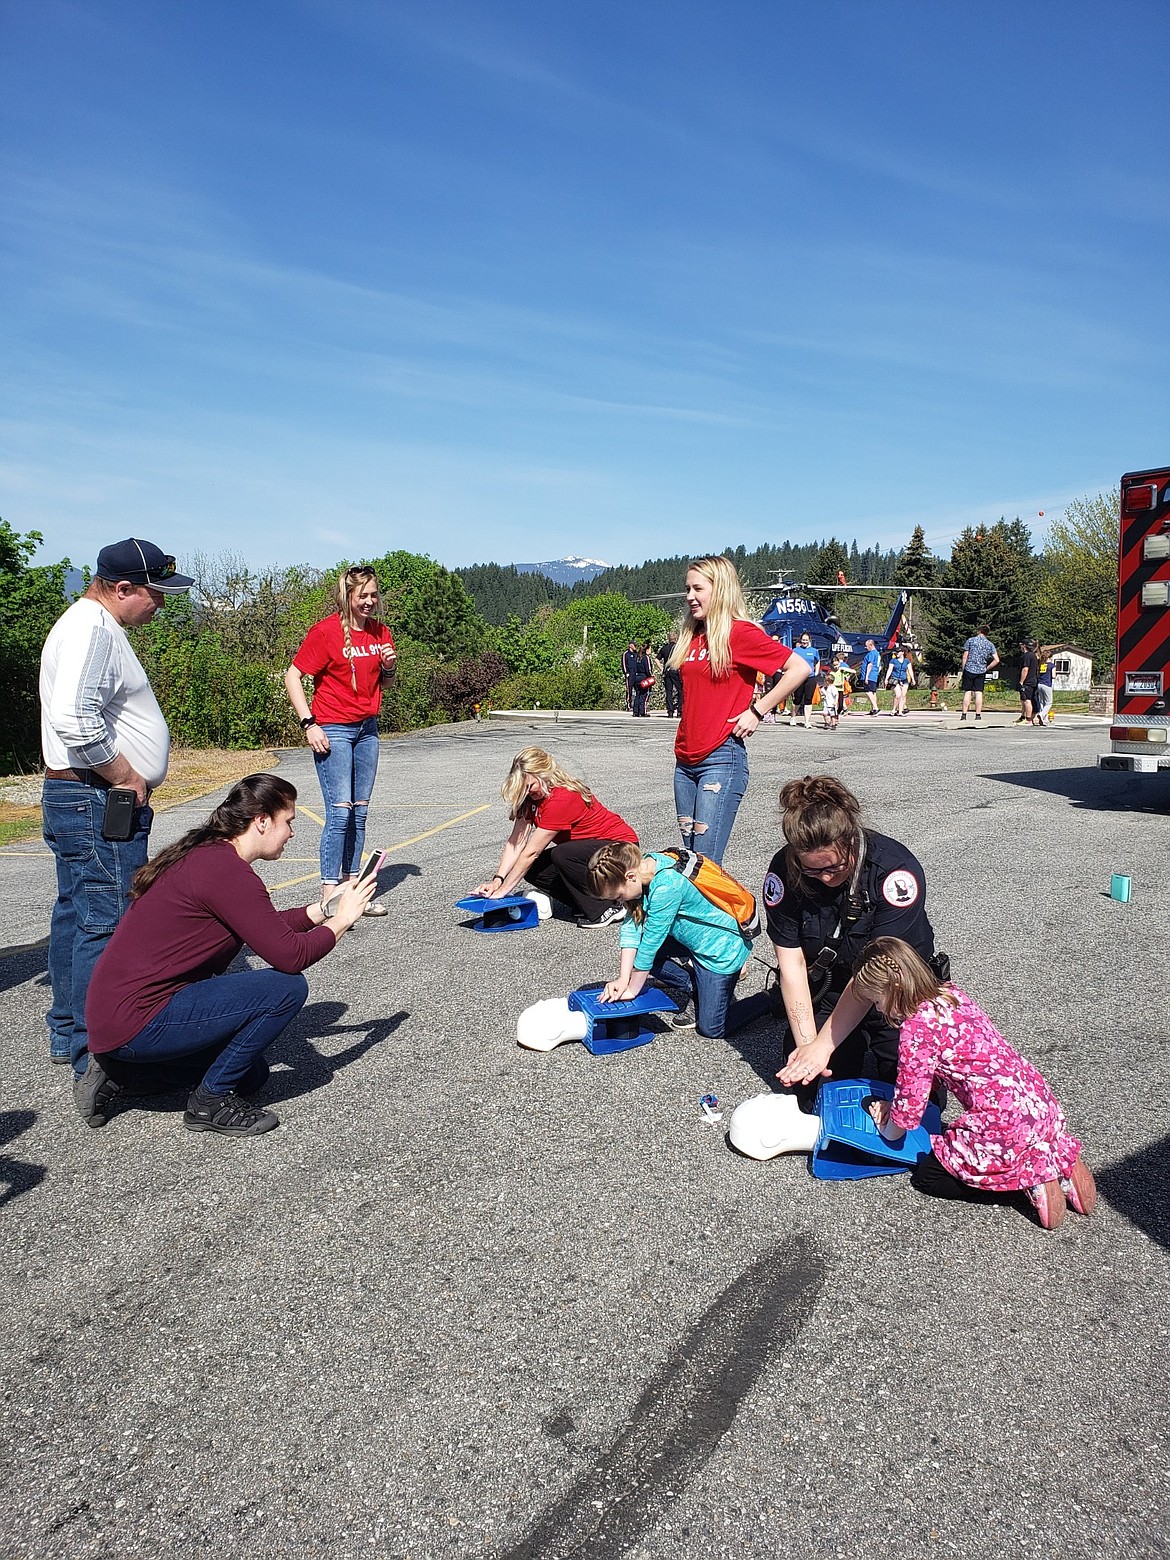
{"x":830,"y":698}
{"x":1012,"y":1135}
{"x":671,"y":920}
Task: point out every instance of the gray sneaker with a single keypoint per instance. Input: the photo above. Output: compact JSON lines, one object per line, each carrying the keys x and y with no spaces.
{"x":93,"y":1094}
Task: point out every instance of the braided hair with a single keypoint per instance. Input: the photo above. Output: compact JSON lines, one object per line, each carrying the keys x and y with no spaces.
{"x":347,"y":582}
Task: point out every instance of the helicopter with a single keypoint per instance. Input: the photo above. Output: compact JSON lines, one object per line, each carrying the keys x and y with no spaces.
{"x":786,"y":610}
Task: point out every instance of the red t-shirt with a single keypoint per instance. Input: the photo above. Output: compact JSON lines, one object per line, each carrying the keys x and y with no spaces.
{"x":711,"y":708}
{"x":567,"y":812}
{"x":322,"y":657}
{"x":189,"y":926}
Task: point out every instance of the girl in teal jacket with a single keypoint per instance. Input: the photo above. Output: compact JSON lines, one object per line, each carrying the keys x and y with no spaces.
{"x":674,"y":932}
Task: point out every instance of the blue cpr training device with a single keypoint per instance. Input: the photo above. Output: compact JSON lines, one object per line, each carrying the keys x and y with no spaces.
{"x":850,"y":1145}
{"x":512,"y":913}
{"x":614,"y":1026}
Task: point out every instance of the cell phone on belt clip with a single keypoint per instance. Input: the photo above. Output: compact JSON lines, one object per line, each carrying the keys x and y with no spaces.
{"x":118,"y":818}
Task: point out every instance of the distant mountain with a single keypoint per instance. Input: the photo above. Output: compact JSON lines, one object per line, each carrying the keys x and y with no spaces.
{"x":565,"y":571}
{"x":74,"y":583}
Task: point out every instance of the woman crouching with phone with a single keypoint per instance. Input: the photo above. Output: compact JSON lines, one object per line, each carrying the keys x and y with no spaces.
{"x":161,"y":991}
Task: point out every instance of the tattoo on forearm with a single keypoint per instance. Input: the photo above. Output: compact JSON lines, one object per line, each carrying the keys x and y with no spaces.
{"x":801,"y":1017}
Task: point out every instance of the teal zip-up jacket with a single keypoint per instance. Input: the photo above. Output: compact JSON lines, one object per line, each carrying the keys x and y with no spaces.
{"x":675,"y":908}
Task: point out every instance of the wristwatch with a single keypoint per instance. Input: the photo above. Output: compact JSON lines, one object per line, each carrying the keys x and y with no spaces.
{"x":307,"y":722}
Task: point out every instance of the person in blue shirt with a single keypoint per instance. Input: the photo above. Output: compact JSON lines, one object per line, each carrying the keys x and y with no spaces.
{"x":900,"y":675}
{"x":802,"y":699}
{"x":670,"y":920}
{"x":871,"y":674}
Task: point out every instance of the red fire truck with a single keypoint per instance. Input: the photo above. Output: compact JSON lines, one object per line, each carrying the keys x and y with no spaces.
{"x":1141,"y":725}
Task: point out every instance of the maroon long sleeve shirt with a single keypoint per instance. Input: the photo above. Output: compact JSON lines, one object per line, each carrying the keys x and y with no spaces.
{"x":188,"y":926}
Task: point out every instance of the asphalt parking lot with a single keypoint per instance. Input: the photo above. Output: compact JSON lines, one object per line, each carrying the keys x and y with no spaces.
{"x":473,"y":1300}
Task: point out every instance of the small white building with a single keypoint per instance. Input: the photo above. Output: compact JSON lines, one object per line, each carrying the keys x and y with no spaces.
{"x":1072,"y":668}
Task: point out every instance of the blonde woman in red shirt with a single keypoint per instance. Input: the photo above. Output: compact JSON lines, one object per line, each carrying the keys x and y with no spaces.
{"x":719,"y":652}
{"x":350,"y":656}
{"x":558,"y":825}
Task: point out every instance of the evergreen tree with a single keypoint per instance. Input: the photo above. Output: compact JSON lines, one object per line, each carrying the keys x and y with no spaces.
{"x":992,"y":569}
{"x":916,"y":565}
{"x":429,"y":604}
{"x":501,"y":591}
{"x":831,"y":560}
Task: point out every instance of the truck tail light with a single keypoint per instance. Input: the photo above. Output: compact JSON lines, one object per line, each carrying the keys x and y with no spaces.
{"x":1137,"y":733}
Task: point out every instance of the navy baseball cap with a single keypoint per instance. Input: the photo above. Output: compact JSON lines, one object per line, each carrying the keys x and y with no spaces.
{"x":140,"y":563}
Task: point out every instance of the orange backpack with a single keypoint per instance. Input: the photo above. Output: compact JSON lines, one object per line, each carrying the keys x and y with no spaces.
{"x":724,"y":891}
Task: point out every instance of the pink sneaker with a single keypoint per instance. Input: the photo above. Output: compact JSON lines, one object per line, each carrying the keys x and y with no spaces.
{"x":1048,"y":1201}
{"x":1079,"y":1188}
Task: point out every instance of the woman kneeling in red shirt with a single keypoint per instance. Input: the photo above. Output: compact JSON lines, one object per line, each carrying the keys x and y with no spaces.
{"x":558,"y":826}
{"x":159,"y":992}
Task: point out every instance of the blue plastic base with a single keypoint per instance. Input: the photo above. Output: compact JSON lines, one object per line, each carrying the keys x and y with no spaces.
{"x":515,"y":913}
{"x":614,"y":1026}
{"x":850,"y":1145}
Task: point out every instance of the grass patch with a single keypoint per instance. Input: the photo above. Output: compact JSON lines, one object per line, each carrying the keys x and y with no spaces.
{"x":193,"y":772}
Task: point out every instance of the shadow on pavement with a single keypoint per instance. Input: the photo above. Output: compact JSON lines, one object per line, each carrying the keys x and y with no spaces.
{"x":164,"y":1086}
{"x":23,"y":963}
{"x":391,"y":876}
{"x":17,"y":1175}
{"x":1136,"y":1187}
{"x":1096,"y":790}
{"x":311,"y":1068}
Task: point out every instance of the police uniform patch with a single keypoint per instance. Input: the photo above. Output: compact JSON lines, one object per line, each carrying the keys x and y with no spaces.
{"x":900,"y":889}
{"x":773,"y":890}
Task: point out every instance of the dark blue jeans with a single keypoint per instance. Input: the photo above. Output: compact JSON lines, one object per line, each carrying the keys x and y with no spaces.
{"x":716,"y":1014}
{"x":244,"y":1013}
{"x":707,"y":797}
{"x":93,"y":885}
{"x":346,"y":774}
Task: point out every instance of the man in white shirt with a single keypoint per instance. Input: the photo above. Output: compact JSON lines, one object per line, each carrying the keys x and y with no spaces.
{"x":101,"y":727}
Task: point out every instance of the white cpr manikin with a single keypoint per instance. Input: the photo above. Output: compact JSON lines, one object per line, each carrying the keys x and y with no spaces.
{"x":770,"y":1124}
{"x":545,"y":1025}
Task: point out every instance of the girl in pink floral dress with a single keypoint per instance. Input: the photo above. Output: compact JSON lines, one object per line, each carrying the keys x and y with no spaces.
{"x":1012,"y":1135}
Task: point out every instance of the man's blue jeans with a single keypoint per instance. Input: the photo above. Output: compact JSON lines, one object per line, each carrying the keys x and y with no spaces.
{"x":243,"y":1013}
{"x":707,"y":797}
{"x":93,"y":886}
{"x":346,"y":775}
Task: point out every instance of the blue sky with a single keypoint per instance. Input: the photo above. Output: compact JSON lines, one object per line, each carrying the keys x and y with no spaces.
{"x":501,"y":281}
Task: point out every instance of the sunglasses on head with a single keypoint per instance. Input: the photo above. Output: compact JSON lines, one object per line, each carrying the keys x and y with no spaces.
{"x":165,"y":572}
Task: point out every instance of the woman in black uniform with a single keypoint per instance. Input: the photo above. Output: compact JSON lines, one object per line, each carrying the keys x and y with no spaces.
{"x":834,"y":887}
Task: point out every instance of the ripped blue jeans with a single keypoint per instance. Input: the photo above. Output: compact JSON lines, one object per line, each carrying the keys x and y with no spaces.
{"x":346,"y":773}
{"x":707,"y":797}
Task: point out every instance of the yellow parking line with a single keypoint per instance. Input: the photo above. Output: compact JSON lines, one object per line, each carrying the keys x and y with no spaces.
{"x":308,"y":877}
{"x":309,"y":813}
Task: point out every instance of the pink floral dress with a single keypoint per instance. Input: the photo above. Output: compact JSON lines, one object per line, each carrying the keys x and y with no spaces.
{"x":1012,"y":1133}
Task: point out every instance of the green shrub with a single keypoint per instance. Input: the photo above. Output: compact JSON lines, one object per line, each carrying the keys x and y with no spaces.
{"x":408,"y":701}
{"x":213,"y":698}
{"x":570,"y":687}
